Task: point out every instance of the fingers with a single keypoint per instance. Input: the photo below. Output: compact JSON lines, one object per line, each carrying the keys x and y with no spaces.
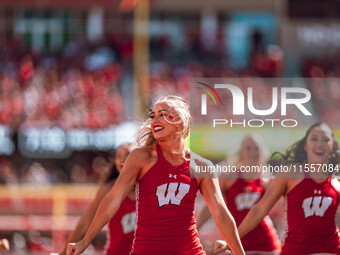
{"x":4,"y":245}
{"x":71,"y":249}
{"x":217,"y":249}
{"x":220,"y":246}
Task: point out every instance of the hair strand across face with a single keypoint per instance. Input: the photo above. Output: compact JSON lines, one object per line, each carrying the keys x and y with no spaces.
{"x":144,"y":136}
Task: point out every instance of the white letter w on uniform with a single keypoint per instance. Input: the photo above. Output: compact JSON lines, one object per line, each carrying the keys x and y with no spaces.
{"x":167,"y":194}
{"x":316,"y":206}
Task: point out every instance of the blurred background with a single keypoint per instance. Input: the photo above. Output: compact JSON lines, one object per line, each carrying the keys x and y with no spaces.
{"x":76,"y":78}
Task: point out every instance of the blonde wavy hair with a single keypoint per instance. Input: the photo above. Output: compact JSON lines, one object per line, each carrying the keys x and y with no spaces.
{"x":144,"y":136}
{"x":237,"y":160}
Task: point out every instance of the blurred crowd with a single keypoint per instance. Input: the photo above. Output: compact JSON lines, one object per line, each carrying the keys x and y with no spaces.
{"x":82,"y":167}
{"x":78,"y":88}
{"x":326,"y":96}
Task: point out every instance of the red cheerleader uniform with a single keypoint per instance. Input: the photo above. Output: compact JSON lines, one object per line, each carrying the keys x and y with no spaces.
{"x":165,"y":211}
{"x":240,"y":198}
{"x":311,"y":209}
{"x":122,"y":229}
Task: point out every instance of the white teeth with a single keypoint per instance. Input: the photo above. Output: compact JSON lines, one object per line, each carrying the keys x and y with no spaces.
{"x":319,"y":152}
{"x":158,"y":128}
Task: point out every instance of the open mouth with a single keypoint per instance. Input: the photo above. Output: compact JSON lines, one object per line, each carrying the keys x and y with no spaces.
{"x":157,"y":128}
{"x":319,"y":152}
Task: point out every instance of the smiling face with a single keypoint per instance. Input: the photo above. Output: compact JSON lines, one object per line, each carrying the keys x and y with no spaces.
{"x":319,"y":144}
{"x":250,"y":152}
{"x":165,"y":122}
{"x":169,"y":119}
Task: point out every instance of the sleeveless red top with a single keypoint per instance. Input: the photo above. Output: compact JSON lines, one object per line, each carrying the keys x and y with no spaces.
{"x":165,"y":211}
{"x":311,"y":209}
{"x":122,"y":229}
{"x":240,"y":198}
